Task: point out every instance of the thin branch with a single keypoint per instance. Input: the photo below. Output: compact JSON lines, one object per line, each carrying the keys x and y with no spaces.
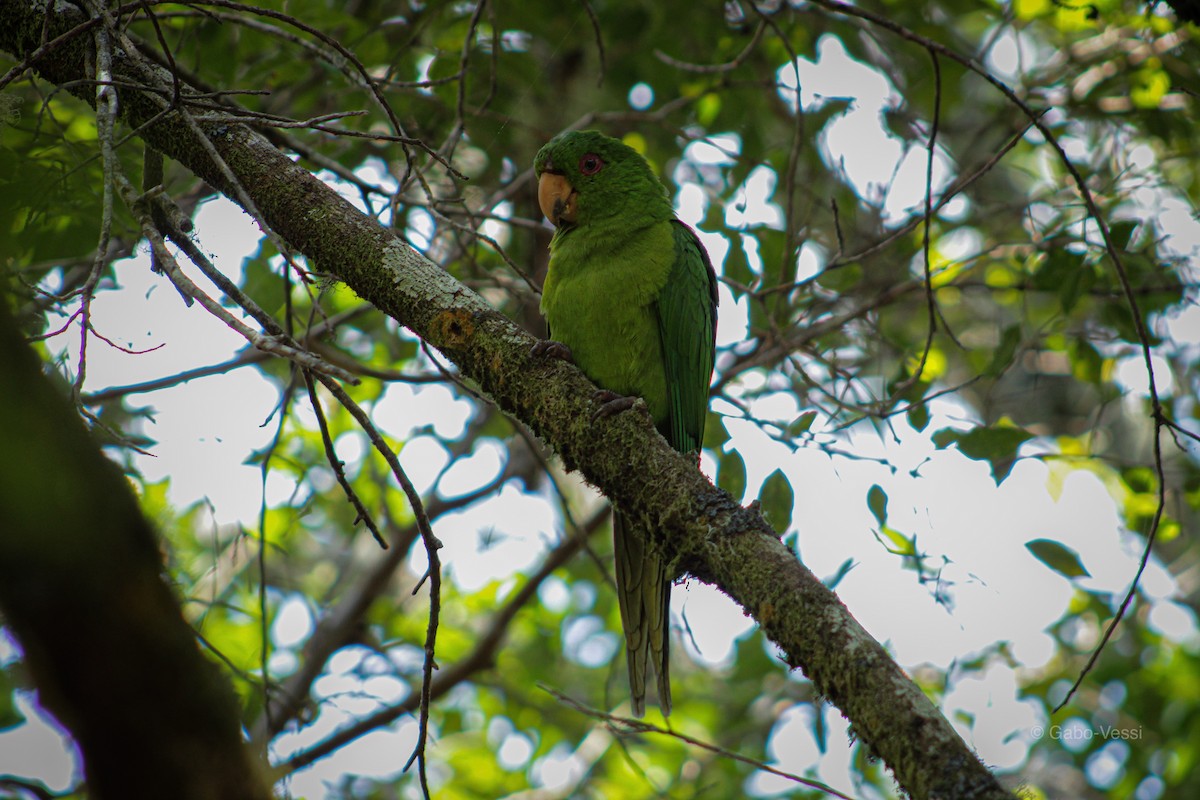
{"x":264,"y":468}
{"x":46,"y":48}
{"x":338,"y":466}
{"x":599,"y":36}
{"x":626,"y":726}
{"x":279,"y":344}
{"x":358,"y":68}
{"x":341,"y":624}
{"x":171,"y":66}
{"x":479,"y":659}
{"x":787,"y":262}
{"x":953,"y":191}
{"x":280,"y":137}
{"x":153,"y":77}
{"x":930,"y":301}
{"x":122,"y":348}
{"x":106,"y":114}
{"x":716,"y":69}
{"x":432,"y":545}
{"x":480,"y":235}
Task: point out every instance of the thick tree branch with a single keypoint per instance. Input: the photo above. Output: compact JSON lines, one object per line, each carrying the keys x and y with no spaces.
{"x":81,"y":586}
{"x":703,"y":528}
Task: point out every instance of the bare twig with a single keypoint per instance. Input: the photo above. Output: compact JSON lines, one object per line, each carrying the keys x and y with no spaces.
{"x":48,"y":47}
{"x":599,"y":36}
{"x":106,"y":114}
{"x":338,"y":466}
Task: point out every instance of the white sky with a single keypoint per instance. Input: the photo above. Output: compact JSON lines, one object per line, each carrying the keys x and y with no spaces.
{"x":205,"y":430}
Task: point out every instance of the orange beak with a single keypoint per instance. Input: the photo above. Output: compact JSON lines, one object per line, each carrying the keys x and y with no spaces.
{"x":557,"y":198}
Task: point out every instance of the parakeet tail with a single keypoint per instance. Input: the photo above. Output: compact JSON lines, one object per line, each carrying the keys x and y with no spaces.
{"x":644,"y":592}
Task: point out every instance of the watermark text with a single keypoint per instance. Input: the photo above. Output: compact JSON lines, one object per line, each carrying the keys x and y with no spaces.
{"x":1078,"y":733}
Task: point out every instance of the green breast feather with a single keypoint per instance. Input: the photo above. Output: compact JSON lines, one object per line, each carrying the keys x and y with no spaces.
{"x":599,"y":301}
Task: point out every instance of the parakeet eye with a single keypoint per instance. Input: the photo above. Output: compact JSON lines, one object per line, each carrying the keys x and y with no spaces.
{"x":590,"y":164}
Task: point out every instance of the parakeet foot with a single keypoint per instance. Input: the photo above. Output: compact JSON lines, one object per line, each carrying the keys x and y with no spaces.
{"x":612,"y":403}
{"x":548,"y":348}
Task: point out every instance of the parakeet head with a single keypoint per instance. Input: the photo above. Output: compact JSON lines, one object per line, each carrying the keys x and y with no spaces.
{"x":585,"y":177}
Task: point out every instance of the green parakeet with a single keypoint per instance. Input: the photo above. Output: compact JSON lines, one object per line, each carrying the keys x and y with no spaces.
{"x":632,"y":295}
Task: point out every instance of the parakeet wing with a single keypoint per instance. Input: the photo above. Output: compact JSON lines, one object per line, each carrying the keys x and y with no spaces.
{"x":687,"y":312}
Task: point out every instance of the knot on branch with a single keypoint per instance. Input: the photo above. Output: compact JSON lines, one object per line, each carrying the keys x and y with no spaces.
{"x":452,"y":329}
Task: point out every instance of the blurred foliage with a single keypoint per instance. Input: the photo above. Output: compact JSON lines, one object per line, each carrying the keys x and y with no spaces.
{"x":839,"y":285}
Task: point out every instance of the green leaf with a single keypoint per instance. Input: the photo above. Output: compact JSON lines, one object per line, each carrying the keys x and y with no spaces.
{"x":1056,"y":268}
{"x":842,"y":571}
{"x":737,"y":265}
{"x":1058,"y":557}
{"x":715,"y":432}
{"x":901,"y":545}
{"x":1149,"y":88}
{"x":945,"y":437}
{"x":801,"y":424}
{"x":1005,"y":350}
{"x":1121,"y":232}
{"x":1075,"y":285}
{"x":987,"y":443}
{"x":1086,"y":362}
{"x":1116,"y":315}
{"x":9,"y":715}
{"x":995,"y":445}
{"x":707,"y":108}
{"x":731,"y":474}
{"x":841,"y":279}
{"x":918,"y":416}
{"x":877,"y":500}
{"x":777,"y":499}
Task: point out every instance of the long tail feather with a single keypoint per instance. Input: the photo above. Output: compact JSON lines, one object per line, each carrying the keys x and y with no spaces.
{"x":644,"y":595}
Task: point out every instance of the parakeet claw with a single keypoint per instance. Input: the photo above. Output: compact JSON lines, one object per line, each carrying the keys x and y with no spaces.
{"x":612,"y":403}
{"x":548,"y":348}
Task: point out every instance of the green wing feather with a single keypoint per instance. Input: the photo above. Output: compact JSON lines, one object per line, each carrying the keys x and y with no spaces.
{"x":686,"y":310}
{"x":687,"y":314}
